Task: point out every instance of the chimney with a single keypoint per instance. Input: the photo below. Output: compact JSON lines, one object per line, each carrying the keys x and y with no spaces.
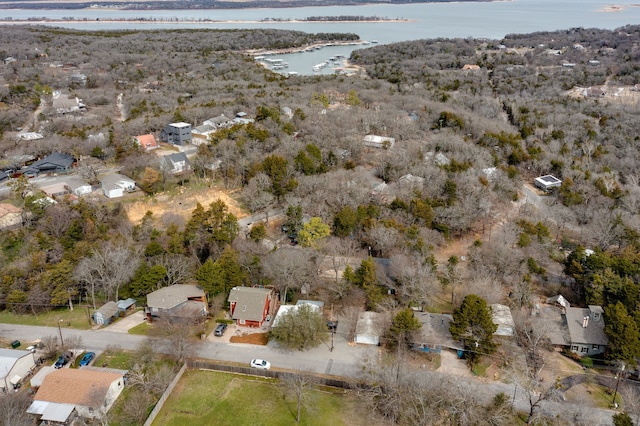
{"x":586,"y":321}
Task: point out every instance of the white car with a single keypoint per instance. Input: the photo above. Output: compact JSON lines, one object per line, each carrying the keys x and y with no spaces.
{"x":261,"y":364}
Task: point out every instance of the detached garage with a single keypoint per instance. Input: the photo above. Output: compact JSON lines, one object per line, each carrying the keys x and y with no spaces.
{"x":368,"y":328}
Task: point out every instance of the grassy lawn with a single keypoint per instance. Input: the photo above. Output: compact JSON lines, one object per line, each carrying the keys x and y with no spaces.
{"x":596,"y":395}
{"x":141,"y":329}
{"x":70,"y":319}
{"x":213,"y":398}
{"x":120,"y":359}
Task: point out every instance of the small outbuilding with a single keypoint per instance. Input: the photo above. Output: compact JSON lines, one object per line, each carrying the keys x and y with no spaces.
{"x":106,"y":313}
{"x":368,"y":328}
{"x":547,"y":182}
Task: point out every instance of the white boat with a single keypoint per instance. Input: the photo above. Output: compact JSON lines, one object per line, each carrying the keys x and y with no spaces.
{"x":319,"y":66}
{"x":374,"y":41}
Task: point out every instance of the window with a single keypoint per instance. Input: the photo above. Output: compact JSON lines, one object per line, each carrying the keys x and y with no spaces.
{"x":574,"y":348}
{"x":584,"y":349}
{"x":595,"y":347}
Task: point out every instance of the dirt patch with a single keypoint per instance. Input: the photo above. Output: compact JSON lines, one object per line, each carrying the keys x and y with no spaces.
{"x":181,"y":204}
{"x":253,"y":339}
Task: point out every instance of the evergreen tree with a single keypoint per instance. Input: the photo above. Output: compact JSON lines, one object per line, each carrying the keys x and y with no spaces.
{"x":312,"y":232}
{"x":622,"y":419}
{"x":623,"y":334}
{"x":403,"y":326}
{"x":473,"y":325}
{"x":300,"y":328}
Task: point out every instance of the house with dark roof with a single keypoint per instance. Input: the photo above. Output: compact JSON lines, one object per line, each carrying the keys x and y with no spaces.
{"x":251,"y":306}
{"x":56,"y":162}
{"x":67,"y":392}
{"x":15,"y":365}
{"x":586,"y":330}
{"x":177,"y":302}
{"x":176,"y":163}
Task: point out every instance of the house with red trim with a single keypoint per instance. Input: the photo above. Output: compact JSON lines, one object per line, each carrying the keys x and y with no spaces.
{"x":251,"y":306}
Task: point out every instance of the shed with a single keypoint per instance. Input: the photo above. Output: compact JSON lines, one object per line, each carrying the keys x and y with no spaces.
{"x":368,"y":328}
{"x":127,"y":306}
{"x":106,"y":313}
{"x":78,"y":186}
{"x":501,"y":316}
{"x":547,"y":182}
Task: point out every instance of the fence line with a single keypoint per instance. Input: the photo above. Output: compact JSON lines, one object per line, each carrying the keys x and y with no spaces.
{"x":165,"y":395}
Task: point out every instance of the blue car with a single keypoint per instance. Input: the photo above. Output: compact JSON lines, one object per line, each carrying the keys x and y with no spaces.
{"x":87,"y":358}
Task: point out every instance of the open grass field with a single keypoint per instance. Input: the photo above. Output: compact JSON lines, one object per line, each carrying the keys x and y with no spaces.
{"x":70,"y":319}
{"x":213,"y":398}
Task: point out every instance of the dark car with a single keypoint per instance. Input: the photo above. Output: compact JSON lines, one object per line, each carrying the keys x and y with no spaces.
{"x":63,"y":360}
{"x":220,"y":329}
{"x":87,"y":358}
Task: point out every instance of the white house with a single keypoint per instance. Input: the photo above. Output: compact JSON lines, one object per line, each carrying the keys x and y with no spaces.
{"x":176,"y":163}
{"x":89,"y":391}
{"x":114,"y":185}
{"x":15,"y":365}
{"x":78,"y":186}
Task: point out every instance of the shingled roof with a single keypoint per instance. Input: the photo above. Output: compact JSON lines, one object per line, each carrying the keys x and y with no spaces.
{"x":76,"y":386}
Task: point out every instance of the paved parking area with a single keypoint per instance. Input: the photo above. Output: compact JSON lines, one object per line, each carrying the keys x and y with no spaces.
{"x":124,"y":324}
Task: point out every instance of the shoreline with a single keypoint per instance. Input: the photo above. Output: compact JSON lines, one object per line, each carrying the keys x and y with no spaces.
{"x":195,"y":21}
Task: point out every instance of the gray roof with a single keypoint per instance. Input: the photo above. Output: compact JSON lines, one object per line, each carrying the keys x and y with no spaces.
{"x":75,"y":182}
{"x":55,"y":160}
{"x":435,"y":329}
{"x":124,"y":304}
{"x":249,"y":302}
{"x":110,"y":181}
{"x":169,"y":297}
{"x":108,"y":310}
{"x":8,"y":358}
{"x":592,"y":334}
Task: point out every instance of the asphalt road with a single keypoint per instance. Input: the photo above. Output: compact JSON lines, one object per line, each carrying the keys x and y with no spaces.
{"x":343,"y":360}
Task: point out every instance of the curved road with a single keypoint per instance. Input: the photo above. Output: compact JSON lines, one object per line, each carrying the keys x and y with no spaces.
{"x":343,"y":360}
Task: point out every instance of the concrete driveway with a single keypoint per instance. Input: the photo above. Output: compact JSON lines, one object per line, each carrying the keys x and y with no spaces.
{"x":124,"y":324}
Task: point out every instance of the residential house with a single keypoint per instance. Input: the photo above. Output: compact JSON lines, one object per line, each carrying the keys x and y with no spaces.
{"x":88,"y":393}
{"x":369,"y":328}
{"x":56,"y":162}
{"x":375,"y":141}
{"x":3,"y":176}
{"x":177,"y":302}
{"x":56,"y":190}
{"x":200,"y":134}
{"x":146,"y":142}
{"x":37,"y":379}
{"x":219,"y":122}
{"x":251,"y":306}
{"x":114,"y":185}
{"x":15,"y":365}
{"x":78,"y":186}
{"x":78,"y":79}
{"x":314,"y":305}
{"x":586,"y":330}
{"x":106,"y":313}
{"x":547,"y":182}
{"x":64,"y":104}
{"x":434,"y":333}
{"x":29,"y":136}
{"x":177,"y":133}
{"x":176,"y":163}
{"x":10,"y":216}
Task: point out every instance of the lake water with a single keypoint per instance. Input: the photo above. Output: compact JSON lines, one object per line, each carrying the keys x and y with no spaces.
{"x":427,"y":20}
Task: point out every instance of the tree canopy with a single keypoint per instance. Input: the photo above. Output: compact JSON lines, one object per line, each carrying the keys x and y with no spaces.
{"x":473,"y":325}
{"x":300,"y":328}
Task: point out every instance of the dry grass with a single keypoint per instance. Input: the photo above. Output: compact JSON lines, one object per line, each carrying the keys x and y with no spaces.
{"x":253,"y":338}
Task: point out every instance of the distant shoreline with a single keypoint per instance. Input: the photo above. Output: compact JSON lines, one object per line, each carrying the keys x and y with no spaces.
{"x":195,"y":21}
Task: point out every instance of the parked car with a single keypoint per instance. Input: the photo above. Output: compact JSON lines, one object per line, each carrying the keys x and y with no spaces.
{"x":220,"y":329}
{"x":87,"y":358}
{"x":63,"y":360}
{"x":261,"y":364}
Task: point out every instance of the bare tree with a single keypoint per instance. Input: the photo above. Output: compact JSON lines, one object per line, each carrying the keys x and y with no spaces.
{"x":417,"y":278}
{"x":290,"y":269}
{"x":176,"y":338}
{"x":106,"y":269}
{"x":180,"y":269}
{"x":13,"y":409}
{"x":298,"y":385}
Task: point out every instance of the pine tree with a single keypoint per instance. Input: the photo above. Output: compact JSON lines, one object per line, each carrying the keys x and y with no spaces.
{"x":473,"y":325}
{"x":622,"y":332}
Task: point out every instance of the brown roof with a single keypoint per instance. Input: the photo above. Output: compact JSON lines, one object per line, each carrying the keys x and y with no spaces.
{"x":249,"y":301}
{"x":73,"y":386}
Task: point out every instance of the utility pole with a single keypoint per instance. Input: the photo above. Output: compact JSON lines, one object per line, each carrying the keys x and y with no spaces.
{"x":615,"y":393}
{"x":333,"y":329}
{"x":62,"y":341}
